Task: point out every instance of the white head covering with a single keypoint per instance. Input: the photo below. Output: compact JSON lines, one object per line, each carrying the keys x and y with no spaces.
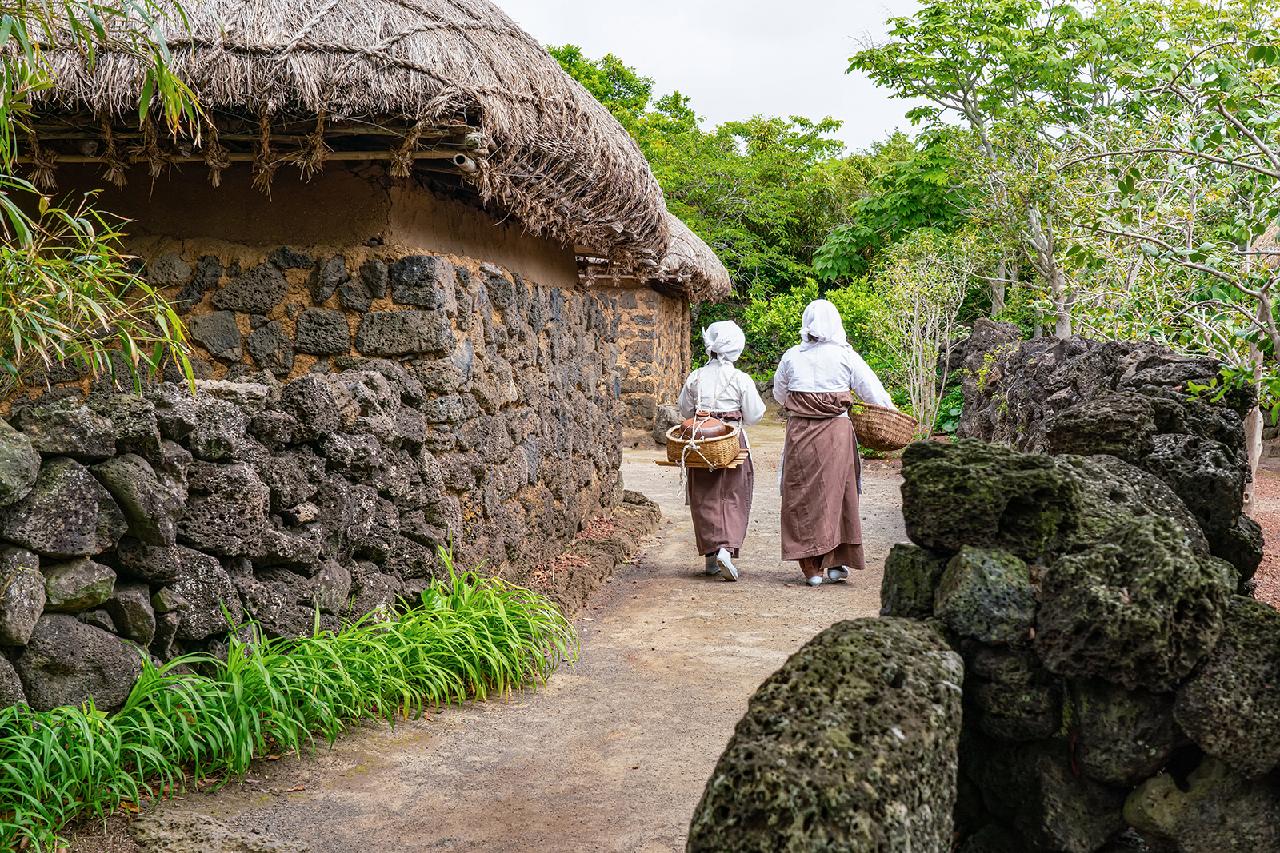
{"x":822,"y":325}
{"x":725,"y":341}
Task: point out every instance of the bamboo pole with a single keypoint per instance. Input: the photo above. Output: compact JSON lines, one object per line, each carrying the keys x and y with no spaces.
{"x":282,"y":158}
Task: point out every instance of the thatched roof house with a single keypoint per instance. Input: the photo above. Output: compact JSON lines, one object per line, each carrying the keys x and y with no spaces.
{"x":424,"y":274}
{"x":444,"y":84}
{"x":655,"y":324}
{"x":453,"y":95}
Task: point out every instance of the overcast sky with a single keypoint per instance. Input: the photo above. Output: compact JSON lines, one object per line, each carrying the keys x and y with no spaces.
{"x":737,"y":58}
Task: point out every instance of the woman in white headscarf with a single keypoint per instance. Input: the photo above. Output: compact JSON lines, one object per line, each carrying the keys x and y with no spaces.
{"x":720,"y":501}
{"x":821,"y":470}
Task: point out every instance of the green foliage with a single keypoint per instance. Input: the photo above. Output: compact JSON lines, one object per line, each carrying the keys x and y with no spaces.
{"x":199,"y":717}
{"x":763,"y":192}
{"x":950,"y":410}
{"x":71,"y":298}
{"x":913,"y":184}
{"x":69,"y":291}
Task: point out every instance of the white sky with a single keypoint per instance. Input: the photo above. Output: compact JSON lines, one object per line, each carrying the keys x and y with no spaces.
{"x":737,"y":58}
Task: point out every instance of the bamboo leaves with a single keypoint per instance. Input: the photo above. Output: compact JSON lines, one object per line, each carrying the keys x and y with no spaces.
{"x":69,"y":293}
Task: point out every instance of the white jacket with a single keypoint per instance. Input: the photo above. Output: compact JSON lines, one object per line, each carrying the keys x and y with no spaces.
{"x":828,"y":367}
{"x":720,"y":387}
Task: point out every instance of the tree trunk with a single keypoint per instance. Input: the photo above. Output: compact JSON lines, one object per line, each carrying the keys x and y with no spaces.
{"x":998,"y":288}
{"x":1043,"y":246}
{"x":1253,"y":423}
{"x":1253,"y":449}
{"x":1061,"y":304}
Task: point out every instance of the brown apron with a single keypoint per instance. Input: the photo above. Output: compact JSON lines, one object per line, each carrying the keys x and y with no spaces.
{"x":720,"y":501}
{"x":821,"y":470}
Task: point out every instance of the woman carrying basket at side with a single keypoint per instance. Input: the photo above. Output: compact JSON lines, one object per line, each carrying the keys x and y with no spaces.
{"x":720,"y":501}
{"x":821,"y":470}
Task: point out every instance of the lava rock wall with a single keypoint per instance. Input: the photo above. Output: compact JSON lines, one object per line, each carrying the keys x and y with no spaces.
{"x":1129,"y":400}
{"x":1119,"y":694}
{"x":353,"y":412}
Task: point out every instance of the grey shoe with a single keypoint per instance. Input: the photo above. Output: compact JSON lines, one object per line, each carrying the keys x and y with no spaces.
{"x":713,"y":566}
{"x":838,"y":574}
{"x":816,"y":580}
{"x":728,"y":570}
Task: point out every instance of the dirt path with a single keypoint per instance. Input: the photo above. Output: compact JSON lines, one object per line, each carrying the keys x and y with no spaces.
{"x":1267,"y":513}
{"x":614,"y":753}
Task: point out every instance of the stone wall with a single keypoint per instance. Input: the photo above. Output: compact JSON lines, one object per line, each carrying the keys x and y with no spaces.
{"x":1129,"y":400}
{"x":653,"y":351}
{"x":356,"y":408}
{"x":1119,"y":694}
{"x":850,"y":746}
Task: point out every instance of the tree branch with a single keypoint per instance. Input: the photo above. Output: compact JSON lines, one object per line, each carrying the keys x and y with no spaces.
{"x":1186,"y":152}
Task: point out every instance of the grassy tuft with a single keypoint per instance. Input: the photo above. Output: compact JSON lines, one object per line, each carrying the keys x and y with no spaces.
{"x":199,"y":717}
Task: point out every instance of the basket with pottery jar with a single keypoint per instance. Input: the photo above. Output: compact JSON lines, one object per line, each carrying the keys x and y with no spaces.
{"x":703,"y":442}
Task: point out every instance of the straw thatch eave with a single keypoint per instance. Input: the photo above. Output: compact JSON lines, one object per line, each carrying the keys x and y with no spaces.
{"x":692,"y":264}
{"x":554,"y":157}
{"x":689,"y":268}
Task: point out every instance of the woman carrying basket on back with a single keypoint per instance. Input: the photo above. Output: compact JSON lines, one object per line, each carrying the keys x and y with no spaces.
{"x":720,"y":501}
{"x":821,"y":470}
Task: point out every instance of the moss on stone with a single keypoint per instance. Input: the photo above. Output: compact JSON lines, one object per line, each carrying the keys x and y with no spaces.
{"x":850,"y":746}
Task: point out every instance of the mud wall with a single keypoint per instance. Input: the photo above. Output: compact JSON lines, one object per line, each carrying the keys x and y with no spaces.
{"x":653,"y":347}
{"x":358,"y":405}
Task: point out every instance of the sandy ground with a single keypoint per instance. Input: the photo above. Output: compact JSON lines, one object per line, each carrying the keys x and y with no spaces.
{"x":611,"y":756}
{"x":1267,"y":513}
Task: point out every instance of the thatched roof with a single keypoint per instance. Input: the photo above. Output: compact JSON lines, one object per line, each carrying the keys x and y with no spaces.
{"x":692,"y":264}
{"x":689,"y":267}
{"x":553,"y":156}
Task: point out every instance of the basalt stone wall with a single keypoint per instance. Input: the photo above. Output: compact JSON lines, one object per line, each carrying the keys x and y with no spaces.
{"x":1129,"y":400}
{"x":653,"y":352}
{"x":354,"y":411}
{"x":1119,"y":694}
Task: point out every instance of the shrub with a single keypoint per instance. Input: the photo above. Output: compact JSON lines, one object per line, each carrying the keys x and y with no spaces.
{"x":68,"y":293}
{"x":927,"y":278}
{"x":467,"y":638}
{"x":772,"y":326}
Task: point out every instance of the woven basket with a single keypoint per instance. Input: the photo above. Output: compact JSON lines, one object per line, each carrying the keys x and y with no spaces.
{"x":878,"y":428}
{"x":703,"y":452}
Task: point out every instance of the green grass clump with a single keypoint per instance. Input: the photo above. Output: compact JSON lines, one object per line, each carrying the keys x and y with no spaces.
{"x":199,"y":717}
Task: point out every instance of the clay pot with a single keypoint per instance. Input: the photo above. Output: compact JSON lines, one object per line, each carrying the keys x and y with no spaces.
{"x":702,"y":425}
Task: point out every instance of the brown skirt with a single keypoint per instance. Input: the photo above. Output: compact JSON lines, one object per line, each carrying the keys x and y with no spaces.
{"x":720,"y":503}
{"x":821,"y":525}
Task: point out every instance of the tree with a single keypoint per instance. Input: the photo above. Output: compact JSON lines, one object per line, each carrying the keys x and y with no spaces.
{"x":1015,"y":72}
{"x":70,"y":293}
{"x":1193,"y":162}
{"x":912,"y":184}
{"x":927,"y":278}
